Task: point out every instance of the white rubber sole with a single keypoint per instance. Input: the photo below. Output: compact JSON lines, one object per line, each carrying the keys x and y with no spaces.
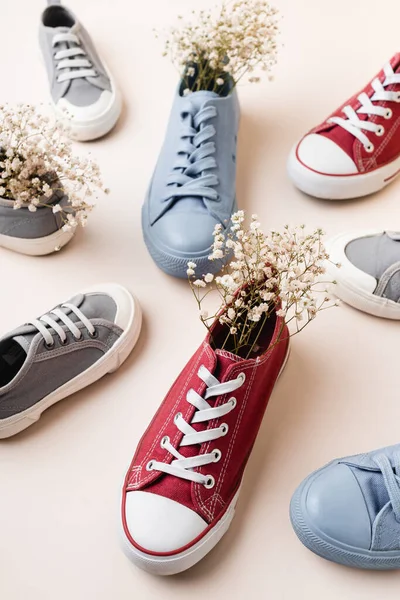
{"x":171,"y":565}
{"x":108,"y":363}
{"x":330,"y":187}
{"x":346,"y":288}
{"x":38,"y":246}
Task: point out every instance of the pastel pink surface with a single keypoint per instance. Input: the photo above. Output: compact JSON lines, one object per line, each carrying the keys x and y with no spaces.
{"x":61,"y":479}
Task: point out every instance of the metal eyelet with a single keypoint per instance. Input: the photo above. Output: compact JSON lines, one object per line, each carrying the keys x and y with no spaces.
{"x":388,"y":114}
{"x":164,"y":441}
{"x":379,"y":132}
{"x":49,"y":346}
{"x":149,"y":466}
{"x":398,"y":97}
{"x":94,"y":335}
{"x":224,"y":428}
{"x":64,"y":342}
{"x":242,"y":376}
{"x":176,"y":417}
{"x":369,"y":148}
{"x":210,"y":482}
{"x":233,"y":401}
{"x":217,"y":455}
{"x":80,"y":338}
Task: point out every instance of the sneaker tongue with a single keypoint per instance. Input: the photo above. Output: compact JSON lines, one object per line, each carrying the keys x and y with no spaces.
{"x":225,"y":359}
{"x":197,"y":99}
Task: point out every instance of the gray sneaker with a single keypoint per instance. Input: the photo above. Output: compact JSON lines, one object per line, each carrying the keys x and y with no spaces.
{"x":369,"y":275}
{"x":349,"y":511}
{"x":82,"y":90}
{"x":65,"y":350}
{"x":35,"y":233}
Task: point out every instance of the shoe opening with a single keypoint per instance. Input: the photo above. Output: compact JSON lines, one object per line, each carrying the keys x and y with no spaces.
{"x":12,"y":357}
{"x":57,"y":16}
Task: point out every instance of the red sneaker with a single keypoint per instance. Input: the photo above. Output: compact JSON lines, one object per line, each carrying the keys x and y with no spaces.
{"x":356,"y":151}
{"x":180,"y":492}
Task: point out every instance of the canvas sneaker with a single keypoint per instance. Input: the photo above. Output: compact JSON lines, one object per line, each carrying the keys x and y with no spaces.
{"x":181,"y":489}
{"x":63,"y":351}
{"x":369,"y":273}
{"x":349,"y":511}
{"x":356,"y":151}
{"x":83,"y":93}
{"x":34,"y":233}
{"x":194,"y":183}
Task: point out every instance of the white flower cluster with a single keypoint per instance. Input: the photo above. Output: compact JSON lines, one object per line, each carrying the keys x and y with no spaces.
{"x":37,"y":166}
{"x":264,"y":274}
{"x":228,"y":42}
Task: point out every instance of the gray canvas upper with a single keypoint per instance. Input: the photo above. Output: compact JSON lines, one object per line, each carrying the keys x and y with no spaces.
{"x":57,"y":19}
{"x":356,"y":500}
{"x":379,"y":256}
{"x":42,"y":369}
{"x":193,"y":185}
{"x":23,"y":223}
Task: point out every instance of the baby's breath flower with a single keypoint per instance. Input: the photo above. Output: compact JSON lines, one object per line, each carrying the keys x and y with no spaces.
{"x":199,"y":283}
{"x":265,"y":274}
{"x":38,"y":166}
{"x":232,"y":39}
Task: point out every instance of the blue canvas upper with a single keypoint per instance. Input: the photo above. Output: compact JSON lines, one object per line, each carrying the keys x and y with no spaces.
{"x":194,"y":183}
{"x":349,"y":511}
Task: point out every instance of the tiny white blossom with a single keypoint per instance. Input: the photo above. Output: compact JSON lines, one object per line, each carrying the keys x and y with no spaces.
{"x":208,"y":277}
{"x":56,"y":208}
{"x":199,"y":283}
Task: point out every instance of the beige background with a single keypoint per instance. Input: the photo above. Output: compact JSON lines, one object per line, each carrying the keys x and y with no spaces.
{"x":59,"y":480}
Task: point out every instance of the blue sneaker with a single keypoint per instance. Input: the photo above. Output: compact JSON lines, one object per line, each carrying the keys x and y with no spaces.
{"x":193,"y":185}
{"x":349,"y":511}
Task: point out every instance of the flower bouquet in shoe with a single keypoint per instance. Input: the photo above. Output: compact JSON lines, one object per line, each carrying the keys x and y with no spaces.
{"x":265,"y":277}
{"x":194,"y":184}
{"x":182,"y":486}
{"x":45,"y":190}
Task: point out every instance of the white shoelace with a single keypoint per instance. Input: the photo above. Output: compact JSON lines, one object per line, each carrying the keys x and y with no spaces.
{"x":67,"y":59}
{"x":354,"y":125}
{"x":48,"y":320}
{"x":182,"y":467}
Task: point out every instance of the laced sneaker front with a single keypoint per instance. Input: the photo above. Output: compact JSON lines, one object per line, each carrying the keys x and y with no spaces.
{"x":63,"y":351}
{"x":355,"y":151}
{"x":83,"y":93}
{"x":194,"y":183}
{"x":181,"y":489}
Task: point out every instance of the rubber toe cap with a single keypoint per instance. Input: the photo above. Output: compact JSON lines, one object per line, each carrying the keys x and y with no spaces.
{"x":321,"y":154}
{"x":186,"y":233}
{"x":335,"y":506}
{"x":158,"y":524}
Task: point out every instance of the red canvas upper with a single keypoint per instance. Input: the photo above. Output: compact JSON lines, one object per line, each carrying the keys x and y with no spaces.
{"x":387,"y":147}
{"x":243,"y":422}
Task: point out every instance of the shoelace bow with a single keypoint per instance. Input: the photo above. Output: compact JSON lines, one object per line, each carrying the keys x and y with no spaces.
{"x":354,"y":125}
{"x":47,"y":319}
{"x":392,"y":481}
{"x":189,"y":177}
{"x":183,"y":467}
{"x":79,"y":67}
